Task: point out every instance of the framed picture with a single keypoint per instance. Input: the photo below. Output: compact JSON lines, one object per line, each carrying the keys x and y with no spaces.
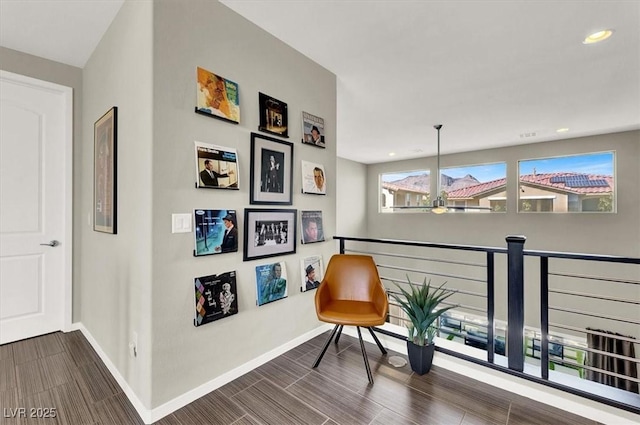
{"x":216,"y":297}
{"x":273,"y":115}
{"x":269,"y":232}
{"x":217,"y":97}
{"x":313,"y":180}
{"x":215,"y":232}
{"x":312,"y":229}
{"x":271,"y":171}
{"x":271,"y":283}
{"x":312,"y":130}
{"x":312,"y":272}
{"x":105,"y":199}
{"x":216,"y":167}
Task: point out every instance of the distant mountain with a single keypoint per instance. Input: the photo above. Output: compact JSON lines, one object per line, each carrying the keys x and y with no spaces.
{"x":460,"y":183}
{"x":422,"y":182}
{"x":418,"y":183}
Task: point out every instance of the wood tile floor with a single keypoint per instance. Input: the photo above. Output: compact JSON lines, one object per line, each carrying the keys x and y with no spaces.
{"x":62,"y":371}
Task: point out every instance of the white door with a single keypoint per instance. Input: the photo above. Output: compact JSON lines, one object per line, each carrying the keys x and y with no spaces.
{"x":35,"y":134}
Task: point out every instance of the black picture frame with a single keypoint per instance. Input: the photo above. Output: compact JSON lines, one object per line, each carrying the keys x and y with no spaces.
{"x":269,"y":233}
{"x":105,"y":173}
{"x":274,"y":115}
{"x":271,"y":171}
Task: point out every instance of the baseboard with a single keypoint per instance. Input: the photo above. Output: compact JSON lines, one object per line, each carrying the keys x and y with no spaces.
{"x":150,"y":416}
{"x":568,"y":402}
{"x":75,"y":326}
{"x":190,"y":396}
{"x":143,"y":411}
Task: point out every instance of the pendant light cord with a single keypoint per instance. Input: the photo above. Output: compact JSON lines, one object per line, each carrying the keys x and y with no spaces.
{"x":438,"y":127}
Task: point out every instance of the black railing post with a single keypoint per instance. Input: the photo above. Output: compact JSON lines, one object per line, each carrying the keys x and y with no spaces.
{"x":490,"y":308}
{"x":515,"y":299}
{"x":341,"y":246}
{"x":544,"y":316}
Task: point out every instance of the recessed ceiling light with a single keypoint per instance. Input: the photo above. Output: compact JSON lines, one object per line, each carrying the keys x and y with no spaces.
{"x":562,"y":130}
{"x":597,"y":37}
{"x":392,"y":153}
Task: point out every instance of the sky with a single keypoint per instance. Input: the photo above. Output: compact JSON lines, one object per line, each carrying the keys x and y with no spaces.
{"x":597,"y":163}
{"x":391,"y":177}
{"x":484,"y":172}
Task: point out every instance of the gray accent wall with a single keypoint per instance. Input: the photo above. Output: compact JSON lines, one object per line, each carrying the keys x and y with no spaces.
{"x":140,"y":281}
{"x":351,"y":206}
{"x":616,"y":234}
{"x":115,"y":270}
{"x":209,"y":35}
{"x":596,"y":233}
{"x":70,"y":76}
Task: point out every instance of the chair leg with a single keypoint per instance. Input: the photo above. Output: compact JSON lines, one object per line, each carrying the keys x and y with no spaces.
{"x":326,"y":345}
{"x":364,"y":356}
{"x":375,"y":338}
{"x":339,"y":333}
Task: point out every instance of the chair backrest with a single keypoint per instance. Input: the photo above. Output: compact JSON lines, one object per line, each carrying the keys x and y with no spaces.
{"x":352,"y":277}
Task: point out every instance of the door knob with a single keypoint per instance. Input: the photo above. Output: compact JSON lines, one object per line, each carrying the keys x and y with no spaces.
{"x":52,"y":243}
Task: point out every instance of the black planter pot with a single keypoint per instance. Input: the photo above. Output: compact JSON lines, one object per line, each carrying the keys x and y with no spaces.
{"x":420,"y":357}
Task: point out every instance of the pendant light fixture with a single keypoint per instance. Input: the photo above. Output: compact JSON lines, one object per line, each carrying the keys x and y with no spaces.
{"x":438,"y":206}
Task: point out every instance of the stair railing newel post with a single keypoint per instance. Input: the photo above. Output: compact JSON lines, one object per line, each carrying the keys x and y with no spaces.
{"x":515,"y":298}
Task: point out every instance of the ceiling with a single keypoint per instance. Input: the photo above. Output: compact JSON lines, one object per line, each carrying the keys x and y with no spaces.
{"x":66,"y":31}
{"x":495,"y":73}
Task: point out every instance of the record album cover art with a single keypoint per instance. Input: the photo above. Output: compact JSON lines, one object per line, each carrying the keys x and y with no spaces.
{"x":216,"y":297}
{"x":271,"y":282}
{"x":312,"y":272}
{"x":312,"y":228}
{"x":215,"y":232}
{"x":217,"y":96}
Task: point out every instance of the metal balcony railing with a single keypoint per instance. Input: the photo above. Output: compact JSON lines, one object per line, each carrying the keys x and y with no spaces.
{"x":583,"y":298}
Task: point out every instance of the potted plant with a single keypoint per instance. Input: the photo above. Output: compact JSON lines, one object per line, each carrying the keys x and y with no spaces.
{"x":421,"y":307}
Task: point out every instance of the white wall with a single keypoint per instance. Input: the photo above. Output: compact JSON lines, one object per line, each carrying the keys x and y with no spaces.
{"x":209,"y":35}
{"x":115,"y":270}
{"x":351,"y":205}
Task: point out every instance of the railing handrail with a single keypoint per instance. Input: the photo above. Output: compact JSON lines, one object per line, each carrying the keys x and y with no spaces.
{"x":581,"y":256}
{"x":529,"y":252}
{"x":424,"y":244}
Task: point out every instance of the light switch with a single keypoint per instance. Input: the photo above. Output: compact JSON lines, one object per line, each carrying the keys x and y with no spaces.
{"x":181,"y":223}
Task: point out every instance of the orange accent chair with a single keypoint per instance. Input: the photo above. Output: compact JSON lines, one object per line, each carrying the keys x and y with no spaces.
{"x":352,"y":294}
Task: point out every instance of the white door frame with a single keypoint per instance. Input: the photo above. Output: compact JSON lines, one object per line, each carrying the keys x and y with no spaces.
{"x":67,"y":94}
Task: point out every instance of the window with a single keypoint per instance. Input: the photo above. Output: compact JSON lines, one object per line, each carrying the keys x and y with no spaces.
{"x":577,"y":183}
{"x":498,"y":205}
{"x":404,"y":191}
{"x":471,"y":186}
{"x":536,"y":204}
